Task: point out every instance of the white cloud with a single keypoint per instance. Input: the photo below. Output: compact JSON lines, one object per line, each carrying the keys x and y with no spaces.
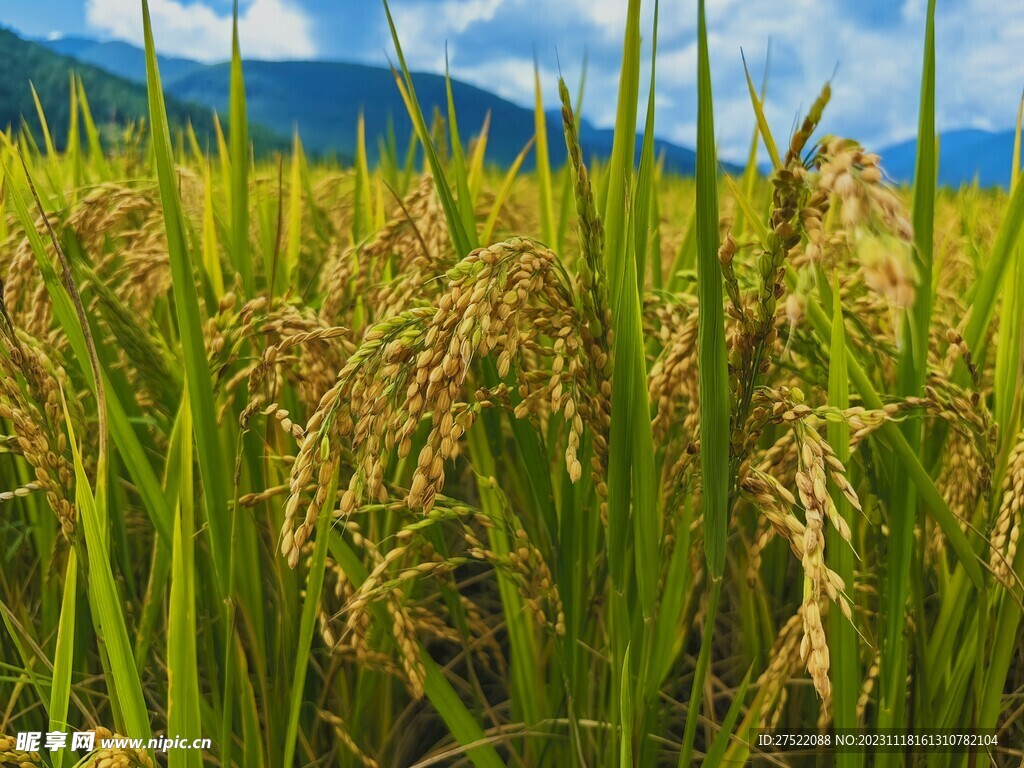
{"x":492,"y":43}
{"x":610,"y":15}
{"x":425,"y":28}
{"x":509,"y":78}
{"x":267,"y":29}
{"x":875,"y":91}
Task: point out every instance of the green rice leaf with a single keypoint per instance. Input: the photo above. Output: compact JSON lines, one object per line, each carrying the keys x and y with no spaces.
{"x":983,"y":304}
{"x":911,"y":372}
{"x":310,"y":608}
{"x":700,"y":676}
{"x":190,"y":325}
{"x":51,"y":151}
{"x":625,"y":303}
{"x":461,"y":723}
{"x":459,"y":170}
{"x":645,"y":181}
{"x":476,"y":160}
{"x":182,"y":662}
{"x":727,"y":731}
{"x":626,"y":713}
{"x":547,"y":206}
{"x":239,"y":138}
{"x":896,"y":442}
{"x":456,"y":229}
{"x":747,"y":208}
{"x":64,"y":655}
{"x":750,"y":173}
{"x":92,"y":134}
{"x":713,"y":371}
{"x":503,"y":192}
{"x":121,"y":430}
{"x":361,"y":197}
{"x":762,"y":121}
{"x":211,"y":247}
{"x":105,"y":603}
{"x":291,"y":259}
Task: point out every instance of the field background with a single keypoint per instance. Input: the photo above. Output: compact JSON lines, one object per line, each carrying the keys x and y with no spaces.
{"x":421,"y":459}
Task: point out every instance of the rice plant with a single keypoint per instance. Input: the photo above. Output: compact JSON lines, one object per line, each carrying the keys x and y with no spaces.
{"x":434,"y":463}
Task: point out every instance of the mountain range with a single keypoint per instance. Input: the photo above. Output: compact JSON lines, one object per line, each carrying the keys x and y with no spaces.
{"x":112,"y":100}
{"x":322,"y":100}
{"x":963,"y":156}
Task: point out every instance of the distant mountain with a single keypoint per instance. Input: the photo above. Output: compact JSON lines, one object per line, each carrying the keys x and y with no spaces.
{"x":113,"y":100}
{"x":121,"y":59}
{"x":323,"y":100}
{"x":963,"y":156}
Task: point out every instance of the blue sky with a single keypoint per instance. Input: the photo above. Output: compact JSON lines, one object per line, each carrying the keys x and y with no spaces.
{"x":876,"y":44}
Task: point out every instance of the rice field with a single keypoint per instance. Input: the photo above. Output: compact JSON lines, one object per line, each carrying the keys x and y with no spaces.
{"x":440,"y":464}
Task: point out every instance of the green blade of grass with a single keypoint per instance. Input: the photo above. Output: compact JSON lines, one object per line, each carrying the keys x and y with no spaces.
{"x":459,"y":170}
{"x":92,"y":134}
{"x":713,"y":370}
{"x":527,"y":693}
{"x":198,"y":155}
{"x":622,"y":292}
{"x":750,"y":172}
{"x":670,"y":607}
{"x":51,"y":151}
{"x":182,"y":662}
{"x":127,"y":442}
{"x":457,"y":231}
{"x":310,"y":607}
{"x":626,"y":712}
{"x":657,"y":266}
{"x":911,"y":372}
{"x":211,"y":249}
{"x":239,"y":138}
{"x":438,"y":690}
{"x":891,"y":436}
{"x":361,"y":196}
{"x":686,"y":256}
{"x":160,"y":570}
{"x":1009,"y":350}
{"x":746,"y":207}
{"x":540,"y":125}
{"x":224,"y":155}
{"x":762,"y":122}
{"x":291,"y":258}
{"x":700,"y":674}
{"x":983,"y":304}
{"x":64,"y":655}
{"x":713,"y":375}
{"x":106,"y":604}
{"x":645,"y":181}
{"x":73,"y":149}
{"x":409,"y":166}
{"x":190,"y":325}
{"x":504,"y":191}
{"x":727,"y":731}
{"x":1009,"y":405}
{"x":26,"y":140}
{"x":476,"y":160}
{"x":645,"y":513}
{"x":1015,"y":162}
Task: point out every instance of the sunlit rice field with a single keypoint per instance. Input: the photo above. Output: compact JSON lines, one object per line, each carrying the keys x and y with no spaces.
{"x":436,"y":463}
